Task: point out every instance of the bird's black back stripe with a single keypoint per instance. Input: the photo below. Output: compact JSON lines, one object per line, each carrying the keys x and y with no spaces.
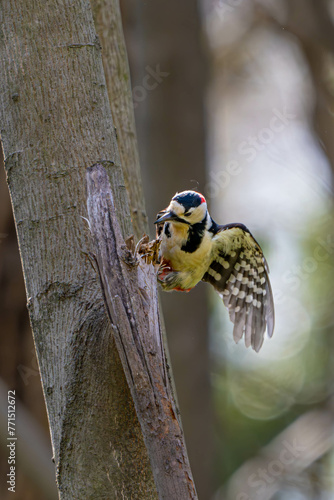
{"x":214,"y":228}
{"x":233,"y":225}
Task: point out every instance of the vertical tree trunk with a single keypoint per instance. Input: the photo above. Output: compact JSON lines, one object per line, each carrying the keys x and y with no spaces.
{"x":35,"y":477}
{"x":55,"y":121}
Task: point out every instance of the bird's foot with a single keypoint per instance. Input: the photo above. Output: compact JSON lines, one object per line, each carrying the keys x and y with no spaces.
{"x":169,"y":279}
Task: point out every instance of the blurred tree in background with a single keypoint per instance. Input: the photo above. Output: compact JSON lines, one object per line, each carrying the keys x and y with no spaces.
{"x":235,"y":99}
{"x":170,"y":119}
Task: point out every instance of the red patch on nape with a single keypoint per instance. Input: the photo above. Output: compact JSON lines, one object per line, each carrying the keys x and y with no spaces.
{"x":178,"y":289}
{"x":203,"y":200}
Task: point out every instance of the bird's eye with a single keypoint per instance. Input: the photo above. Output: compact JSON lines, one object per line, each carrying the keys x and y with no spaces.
{"x":188,"y":212}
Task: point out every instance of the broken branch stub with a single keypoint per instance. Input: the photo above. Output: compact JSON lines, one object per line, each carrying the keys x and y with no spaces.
{"x":130,"y":293}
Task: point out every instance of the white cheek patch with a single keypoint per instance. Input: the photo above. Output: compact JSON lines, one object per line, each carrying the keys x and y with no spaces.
{"x":176,"y":208}
{"x":196,"y":214}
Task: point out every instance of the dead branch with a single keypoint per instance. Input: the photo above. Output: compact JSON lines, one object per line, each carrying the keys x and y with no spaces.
{"x":130,"y":294}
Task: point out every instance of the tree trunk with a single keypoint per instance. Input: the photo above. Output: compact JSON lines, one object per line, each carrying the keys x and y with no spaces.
{"x":56,"y":121}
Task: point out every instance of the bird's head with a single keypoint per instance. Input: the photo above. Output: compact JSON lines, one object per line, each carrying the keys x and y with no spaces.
{"x":188,"y":207}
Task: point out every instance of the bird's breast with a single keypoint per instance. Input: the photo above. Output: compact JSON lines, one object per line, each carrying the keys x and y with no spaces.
{"x":173,"y":242}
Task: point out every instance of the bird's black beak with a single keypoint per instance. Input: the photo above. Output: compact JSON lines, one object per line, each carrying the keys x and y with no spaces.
{"x":170,"y":216}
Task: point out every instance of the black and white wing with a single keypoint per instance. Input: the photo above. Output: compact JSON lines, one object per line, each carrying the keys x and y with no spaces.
{"x":239,"y":272}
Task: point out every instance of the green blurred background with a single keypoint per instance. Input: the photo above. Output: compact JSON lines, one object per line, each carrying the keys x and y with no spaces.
{"x":235,"y":99}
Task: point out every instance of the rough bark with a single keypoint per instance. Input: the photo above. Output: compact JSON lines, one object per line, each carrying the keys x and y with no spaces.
{"x":55,"y":121}
{"x":130,"y":292}
{"x":108,"y":23}
{"x":19,"y":370}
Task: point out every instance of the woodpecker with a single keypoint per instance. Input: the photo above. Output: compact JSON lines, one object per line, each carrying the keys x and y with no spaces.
{"x":194,"y":248}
